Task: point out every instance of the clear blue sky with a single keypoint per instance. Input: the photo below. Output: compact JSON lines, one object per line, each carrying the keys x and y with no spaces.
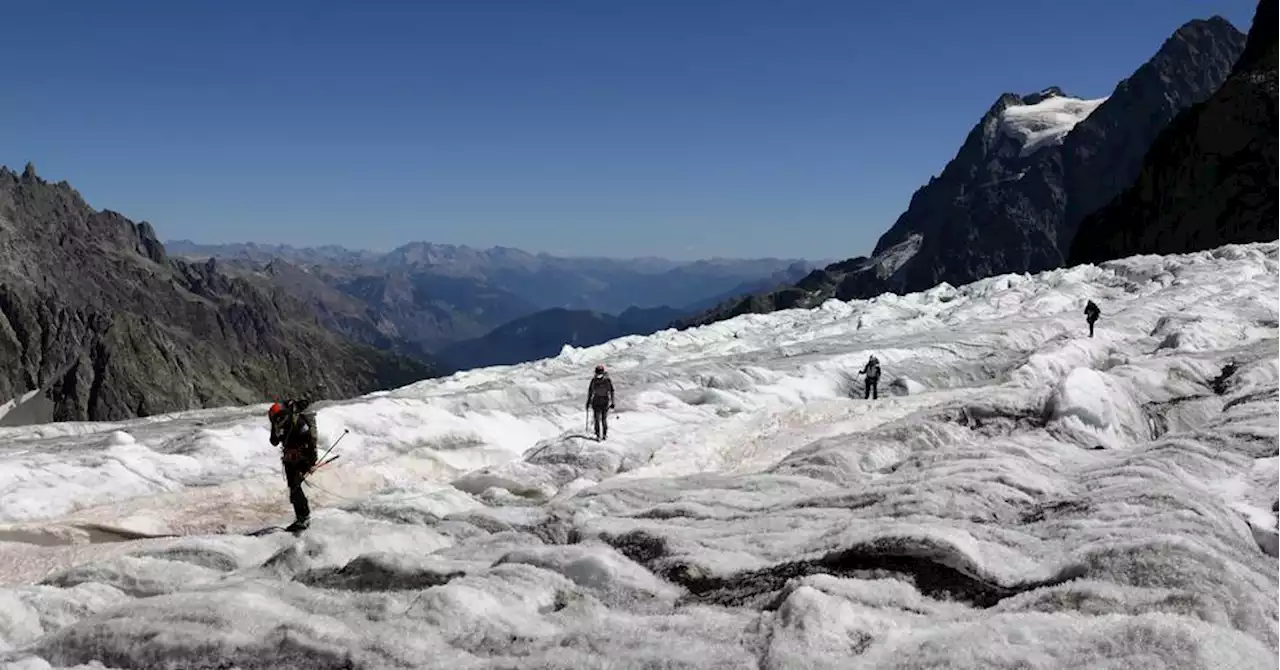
{"x":683,"y":128}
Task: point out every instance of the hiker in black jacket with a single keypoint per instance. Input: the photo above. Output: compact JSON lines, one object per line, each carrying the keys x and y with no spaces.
{"x":871,"y":388}
{"x":600,"y":401}
{"x":295,"y":432}
{"x":1091,"y":314}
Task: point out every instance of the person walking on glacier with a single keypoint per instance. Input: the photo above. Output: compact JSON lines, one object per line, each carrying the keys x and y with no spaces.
{"x":1091,"y":314}
{"x":294,"y":430}
{"x":600,"y":401}
{"x":871,"y":388}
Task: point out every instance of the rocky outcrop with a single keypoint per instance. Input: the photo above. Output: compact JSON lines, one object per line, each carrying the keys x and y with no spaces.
{"x":1012,"y":198}
{"x":97,"y":317}
{"x":1210,"y":178}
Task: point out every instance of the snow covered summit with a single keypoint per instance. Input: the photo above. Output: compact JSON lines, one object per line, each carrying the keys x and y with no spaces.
{"x":1021,"y":495}
{"x":1046,"y":121}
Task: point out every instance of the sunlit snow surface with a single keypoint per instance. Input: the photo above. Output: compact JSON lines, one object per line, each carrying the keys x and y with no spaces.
{"x":1020,"y":496}
{"x":1046,"y":122}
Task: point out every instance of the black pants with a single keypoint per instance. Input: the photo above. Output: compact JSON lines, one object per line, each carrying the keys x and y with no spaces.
{"x":1091,"y":322}
{"x":600,"y":417}
{"x":871,"y":388}
{"x":294,"y":471}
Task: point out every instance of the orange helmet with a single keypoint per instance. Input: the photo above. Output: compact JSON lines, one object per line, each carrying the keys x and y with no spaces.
{"x":276,"y":408}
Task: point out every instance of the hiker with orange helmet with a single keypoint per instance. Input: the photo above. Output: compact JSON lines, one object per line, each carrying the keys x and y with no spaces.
{"x":295,"y":432}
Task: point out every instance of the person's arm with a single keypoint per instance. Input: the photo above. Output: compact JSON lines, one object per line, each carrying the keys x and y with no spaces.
{"x":610,"y":393}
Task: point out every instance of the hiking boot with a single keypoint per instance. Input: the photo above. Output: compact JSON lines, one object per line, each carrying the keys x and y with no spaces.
{"x":299,"y":525}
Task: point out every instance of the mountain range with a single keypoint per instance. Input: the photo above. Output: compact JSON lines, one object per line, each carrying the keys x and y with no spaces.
{"x":1023,"y":180}
{"x":542,"y":280}
{"x":98,"y":322}
{"x":423,"y":297}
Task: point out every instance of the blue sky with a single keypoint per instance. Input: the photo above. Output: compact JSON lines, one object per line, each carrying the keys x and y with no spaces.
{"x":665,"y":127}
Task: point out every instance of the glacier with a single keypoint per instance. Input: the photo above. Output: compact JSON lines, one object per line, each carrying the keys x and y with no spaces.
{"x":1047,"y":122}
{"x":1021,"y":495}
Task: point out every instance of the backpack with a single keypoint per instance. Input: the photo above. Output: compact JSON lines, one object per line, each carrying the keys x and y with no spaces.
{"x":598,"y":391}
{"x":296,"y":427}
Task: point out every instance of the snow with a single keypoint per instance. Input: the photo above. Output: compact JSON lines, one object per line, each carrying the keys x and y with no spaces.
{"x":893,"y":258}
{"x":1021,"y":495}
{"x":1046,"y":122}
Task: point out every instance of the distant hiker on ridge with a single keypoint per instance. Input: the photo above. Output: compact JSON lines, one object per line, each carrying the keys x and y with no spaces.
{"x":1091,"y":314}
{"x":295,"y":431}
{"x":600,"y":401}
{"x":872,"y":371}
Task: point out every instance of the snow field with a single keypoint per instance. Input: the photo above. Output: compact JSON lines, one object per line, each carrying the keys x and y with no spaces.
{"x":1021,"y":495}
{"x":1046,"y":122}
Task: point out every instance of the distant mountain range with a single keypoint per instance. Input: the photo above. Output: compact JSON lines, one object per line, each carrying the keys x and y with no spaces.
{"x":422,"y":297}
{"x":541,"y":280}
{"x":1026,"y":176}
{"x":544,"y":334}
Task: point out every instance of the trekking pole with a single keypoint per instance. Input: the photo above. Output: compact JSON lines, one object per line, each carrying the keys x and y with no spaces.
{"x":321,"y":461}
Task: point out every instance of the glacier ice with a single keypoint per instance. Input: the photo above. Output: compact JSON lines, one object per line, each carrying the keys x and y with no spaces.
{"x":1020,"y":495}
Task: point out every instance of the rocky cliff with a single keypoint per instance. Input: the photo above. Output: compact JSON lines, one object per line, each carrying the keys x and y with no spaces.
{"x":97,"y":318}
{"x":1210,"y":177}
{"x":1012,"y":198}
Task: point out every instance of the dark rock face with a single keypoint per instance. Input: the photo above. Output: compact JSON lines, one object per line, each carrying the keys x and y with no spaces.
{"x":1012,"y":199}
{"x":1210,"y":177}
{"x":94,"y":314}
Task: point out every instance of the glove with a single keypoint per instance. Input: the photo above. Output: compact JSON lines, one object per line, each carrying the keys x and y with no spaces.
{"x":610,"y":405}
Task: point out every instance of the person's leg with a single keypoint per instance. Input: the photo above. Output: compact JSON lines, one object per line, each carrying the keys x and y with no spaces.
{"x":866,"y":388}
{"x":604,"y":423}
{"x":595,"y":421}
{"x":875,"y":389}
{"x":294,"y":472}
{"x":1091,"y":328}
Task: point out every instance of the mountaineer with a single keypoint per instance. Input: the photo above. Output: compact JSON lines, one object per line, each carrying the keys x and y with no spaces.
{"x":872,"y":384}
{"x":294,"y":430}
{"x":600,"y":401}
{"x":1091,"y":314}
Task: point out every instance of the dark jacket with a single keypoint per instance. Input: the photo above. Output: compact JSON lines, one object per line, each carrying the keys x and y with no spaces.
{"x":296,"y":432}
{"x":1091,"y":311}
{"x":872,"y":369}
{"x":600,"y":392}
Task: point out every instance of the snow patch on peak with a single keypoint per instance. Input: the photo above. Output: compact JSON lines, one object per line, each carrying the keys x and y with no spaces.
{"x":1046,"y":122}
{"x":896,"y":256}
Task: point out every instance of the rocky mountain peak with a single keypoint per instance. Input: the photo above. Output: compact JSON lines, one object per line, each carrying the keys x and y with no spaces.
{"x":1041,"y":96}
{"x":1034,"y":165}
{"x":96,"y":318}
{"x":1262,"y":36}
{"x":1209,"y":178}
